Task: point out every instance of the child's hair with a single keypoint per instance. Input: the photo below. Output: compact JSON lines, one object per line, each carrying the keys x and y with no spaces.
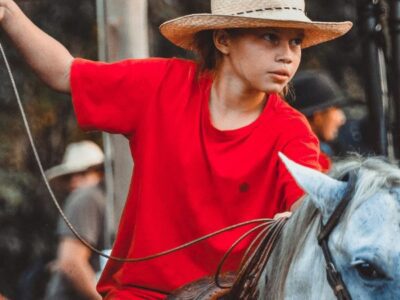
{"x":209,"y":57}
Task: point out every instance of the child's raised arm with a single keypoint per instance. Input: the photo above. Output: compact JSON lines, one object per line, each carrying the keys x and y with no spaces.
{"x":49,"y":59}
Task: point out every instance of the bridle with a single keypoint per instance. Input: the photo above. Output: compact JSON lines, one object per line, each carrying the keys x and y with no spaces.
{"x":333,"y":275}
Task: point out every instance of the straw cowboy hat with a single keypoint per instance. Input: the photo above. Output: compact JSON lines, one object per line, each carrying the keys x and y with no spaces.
{"x":78,"y":157}
{"x":252,"y":14}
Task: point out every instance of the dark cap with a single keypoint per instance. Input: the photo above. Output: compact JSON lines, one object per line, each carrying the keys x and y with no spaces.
{"x":315,"y":91}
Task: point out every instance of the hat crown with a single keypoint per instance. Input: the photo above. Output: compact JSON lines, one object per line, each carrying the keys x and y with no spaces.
{"x":229,"y":7}
{"x":316,"y":91}
{"x":83,"y":154}
{"x":78,"y":157}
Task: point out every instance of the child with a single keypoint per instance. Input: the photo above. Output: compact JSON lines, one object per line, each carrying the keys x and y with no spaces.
{"x":204,"y":136}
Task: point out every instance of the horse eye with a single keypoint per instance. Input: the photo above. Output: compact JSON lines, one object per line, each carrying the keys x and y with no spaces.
{"x":368,"y":271}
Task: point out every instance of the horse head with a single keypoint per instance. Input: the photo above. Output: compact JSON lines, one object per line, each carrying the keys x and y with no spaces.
{"x":364,"y":245}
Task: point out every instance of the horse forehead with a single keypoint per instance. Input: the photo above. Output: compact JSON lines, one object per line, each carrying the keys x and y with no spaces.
{"x":376,"y":220}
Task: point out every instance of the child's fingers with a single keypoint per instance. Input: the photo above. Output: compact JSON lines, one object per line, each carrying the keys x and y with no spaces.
{"x":3,"y":5}
{"x":285,"y":214}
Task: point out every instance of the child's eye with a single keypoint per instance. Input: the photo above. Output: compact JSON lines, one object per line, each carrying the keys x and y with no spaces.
{"x":271,"y":37}
{"x":297,"y":41}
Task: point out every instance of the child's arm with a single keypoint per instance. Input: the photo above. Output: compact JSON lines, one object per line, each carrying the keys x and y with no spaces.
{"x":50,"y":60}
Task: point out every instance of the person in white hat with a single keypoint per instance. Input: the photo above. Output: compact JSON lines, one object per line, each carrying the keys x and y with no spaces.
{"x":204,"y":135}
{"x":74,"y":270}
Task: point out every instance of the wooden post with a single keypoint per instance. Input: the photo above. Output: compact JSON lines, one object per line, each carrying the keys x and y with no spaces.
{"x":123,"y":33}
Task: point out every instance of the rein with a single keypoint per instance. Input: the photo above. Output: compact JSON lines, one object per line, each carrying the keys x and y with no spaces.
{"x":333,"y":275}
{"x":256,"y":258}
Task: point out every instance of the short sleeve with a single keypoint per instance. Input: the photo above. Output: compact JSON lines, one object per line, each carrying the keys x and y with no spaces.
{"x":304,"y":150}
{"x":85,"y":210}
{"x":112,"y":97}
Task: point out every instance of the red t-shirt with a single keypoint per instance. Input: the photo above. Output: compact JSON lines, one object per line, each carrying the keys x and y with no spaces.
{"x":190,"y":179}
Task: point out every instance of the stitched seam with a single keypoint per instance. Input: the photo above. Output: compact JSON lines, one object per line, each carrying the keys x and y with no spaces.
{"x":265,"y":9}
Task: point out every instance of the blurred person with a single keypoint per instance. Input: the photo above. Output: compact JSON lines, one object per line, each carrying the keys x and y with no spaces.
{"x":74,"y":270}
{"x":204,"y":135}
{"x":319,"y":98}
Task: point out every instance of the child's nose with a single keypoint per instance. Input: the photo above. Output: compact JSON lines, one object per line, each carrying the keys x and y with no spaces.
{"x":285,"y":54}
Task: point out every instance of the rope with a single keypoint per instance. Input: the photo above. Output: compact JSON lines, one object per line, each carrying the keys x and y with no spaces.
{"x":61,"y":212}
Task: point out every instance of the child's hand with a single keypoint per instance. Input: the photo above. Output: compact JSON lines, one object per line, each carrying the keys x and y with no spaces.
{"x":3,"y":6}
{"x":285,"y":214}
{"x":2,"y":11}
{"x":35,"y":45}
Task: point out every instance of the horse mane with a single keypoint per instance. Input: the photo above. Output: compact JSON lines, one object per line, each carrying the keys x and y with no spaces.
{"x":372,"y":174}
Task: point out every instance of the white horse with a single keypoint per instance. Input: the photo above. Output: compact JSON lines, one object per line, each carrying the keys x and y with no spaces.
{"x":364,"y":243}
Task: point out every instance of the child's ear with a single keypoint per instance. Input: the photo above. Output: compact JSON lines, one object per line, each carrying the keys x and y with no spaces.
{"x":221,"y":40}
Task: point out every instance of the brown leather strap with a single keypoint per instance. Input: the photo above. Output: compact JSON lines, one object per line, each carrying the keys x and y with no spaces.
{"x":245,"y":285}
{"x":333,"y":275}
{"x":338,"y":212}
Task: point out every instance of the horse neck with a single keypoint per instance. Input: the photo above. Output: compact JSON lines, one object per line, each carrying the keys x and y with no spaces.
{"x":296,"y":269}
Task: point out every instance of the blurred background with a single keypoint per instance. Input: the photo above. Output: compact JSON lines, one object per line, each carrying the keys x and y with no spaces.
{"x":358,"y":62}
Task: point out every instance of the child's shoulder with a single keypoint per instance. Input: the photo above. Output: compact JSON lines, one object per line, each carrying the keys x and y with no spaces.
{"x":175,"y":65}
{"x":285,"y":110}
{"x":289,"y":117}
{"x":173,"y":61}
{"x":183,"y":64}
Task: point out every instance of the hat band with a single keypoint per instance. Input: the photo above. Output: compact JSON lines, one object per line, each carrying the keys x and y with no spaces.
{"x":266,"y":9}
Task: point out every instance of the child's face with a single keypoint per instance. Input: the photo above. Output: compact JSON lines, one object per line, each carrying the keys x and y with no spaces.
{"x":263,"y":59}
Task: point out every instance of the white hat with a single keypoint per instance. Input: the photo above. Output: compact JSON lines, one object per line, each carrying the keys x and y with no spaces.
{"x":78,"y":157}
{"x":252,"y":14}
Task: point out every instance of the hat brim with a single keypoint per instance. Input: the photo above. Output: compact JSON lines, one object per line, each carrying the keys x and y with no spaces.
{"x":66,"y":169}
{"x":181,"y":31}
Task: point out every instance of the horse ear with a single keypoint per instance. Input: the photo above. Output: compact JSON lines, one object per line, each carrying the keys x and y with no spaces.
{"x":325,"y":192}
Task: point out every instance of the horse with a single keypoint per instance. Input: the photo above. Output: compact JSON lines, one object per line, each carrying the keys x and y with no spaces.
{"x":342,"y":242}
